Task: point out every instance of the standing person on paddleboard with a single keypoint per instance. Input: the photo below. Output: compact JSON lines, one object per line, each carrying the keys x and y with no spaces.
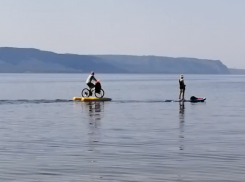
{"x":181,"y":88}
{"x":89,"y":82}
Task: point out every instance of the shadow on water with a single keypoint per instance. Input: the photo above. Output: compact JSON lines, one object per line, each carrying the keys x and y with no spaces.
{"x":181,"y":124}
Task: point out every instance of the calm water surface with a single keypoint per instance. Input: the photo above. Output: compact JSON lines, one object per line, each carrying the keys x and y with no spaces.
{"x":45,"y":136}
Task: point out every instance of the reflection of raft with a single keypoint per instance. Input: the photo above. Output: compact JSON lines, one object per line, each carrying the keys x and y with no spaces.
{"x":88,"y":99}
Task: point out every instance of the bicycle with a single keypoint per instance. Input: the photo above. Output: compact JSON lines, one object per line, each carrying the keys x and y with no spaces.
{"x":85,"y":93}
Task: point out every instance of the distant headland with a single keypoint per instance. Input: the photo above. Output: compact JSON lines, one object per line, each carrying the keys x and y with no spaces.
{"x":23,"y":60}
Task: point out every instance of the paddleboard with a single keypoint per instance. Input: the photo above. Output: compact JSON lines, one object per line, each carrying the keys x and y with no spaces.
{"x":193,"y":101}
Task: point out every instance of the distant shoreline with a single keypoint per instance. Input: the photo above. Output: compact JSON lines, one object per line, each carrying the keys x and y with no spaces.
{"x":123,"y":73}
{"x":29,"y":60}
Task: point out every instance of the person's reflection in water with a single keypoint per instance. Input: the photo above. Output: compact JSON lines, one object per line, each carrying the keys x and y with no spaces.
{"x":181,"y":124}
{"x":94,"y":109}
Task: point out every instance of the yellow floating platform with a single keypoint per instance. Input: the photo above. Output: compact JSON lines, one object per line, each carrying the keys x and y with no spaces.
{"x":88,"y":99}
{"x":77,"y":98}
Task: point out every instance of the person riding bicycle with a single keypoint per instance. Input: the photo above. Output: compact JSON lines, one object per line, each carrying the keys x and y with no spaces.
{"x":89,"y":82}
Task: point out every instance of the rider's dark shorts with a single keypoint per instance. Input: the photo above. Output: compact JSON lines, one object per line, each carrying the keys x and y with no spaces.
{"x":90,"y":85}
{"x":182,"y":89}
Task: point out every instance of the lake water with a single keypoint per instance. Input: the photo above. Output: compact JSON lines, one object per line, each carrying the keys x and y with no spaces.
{"x":45,"y":136}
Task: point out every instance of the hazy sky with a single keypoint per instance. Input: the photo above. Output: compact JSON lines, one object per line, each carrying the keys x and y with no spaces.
{"x":211,"y":29}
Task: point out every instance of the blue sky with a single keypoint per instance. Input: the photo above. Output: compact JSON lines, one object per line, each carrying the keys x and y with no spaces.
{"x":210,"y":29}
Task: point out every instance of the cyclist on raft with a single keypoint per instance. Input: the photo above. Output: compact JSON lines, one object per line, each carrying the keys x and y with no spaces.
{"x":89,"y":81}
{"x":182,"y":88}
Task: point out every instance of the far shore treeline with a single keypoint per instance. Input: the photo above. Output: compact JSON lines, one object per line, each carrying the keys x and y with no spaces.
{"x":23,"y":60}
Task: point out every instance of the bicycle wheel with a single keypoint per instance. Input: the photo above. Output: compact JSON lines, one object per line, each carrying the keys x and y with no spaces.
{"x":85,"y":92}
{"x":100,"y":95}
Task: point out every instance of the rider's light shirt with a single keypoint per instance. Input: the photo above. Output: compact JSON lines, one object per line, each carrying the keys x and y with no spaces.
{"x":90,"y":78}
